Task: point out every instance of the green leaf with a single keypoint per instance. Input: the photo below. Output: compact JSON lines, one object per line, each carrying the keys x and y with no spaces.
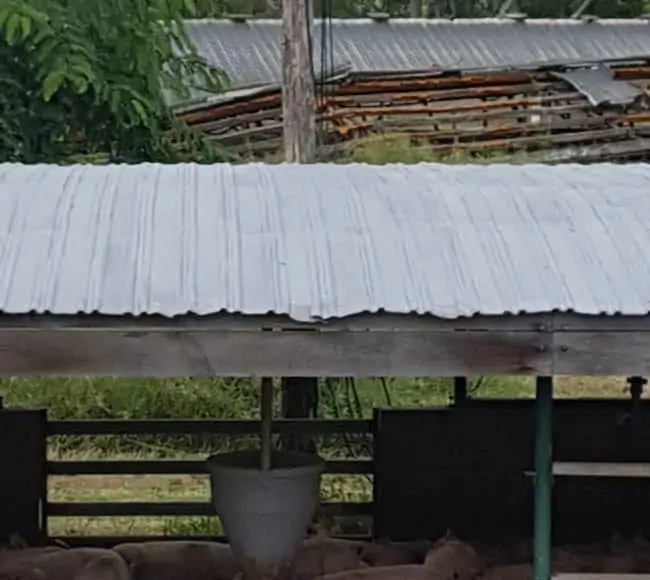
{"x":12,"y":26}
{"x":190,"y":7}
{"x":26,"y":26}
{"x":139,"y":109}
{"x":52,"y":83}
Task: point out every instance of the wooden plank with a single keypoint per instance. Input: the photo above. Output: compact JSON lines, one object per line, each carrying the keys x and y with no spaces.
{"x":601,"y":576}
{"x":602,"y":353}
{"x":232,"y":322}
{"x":186,"y":508}
{"x":360,"y":322}
{"x":602,"y":323}
{"x":166,"y":467}
{"x":204,"y":426}
{"x":592,"y":469}
{"x":94,"y":352}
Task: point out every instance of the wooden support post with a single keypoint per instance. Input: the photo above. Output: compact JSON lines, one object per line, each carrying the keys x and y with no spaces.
{"x":460,"y":391}
{"x":299,"y":395}
{"x":543,"y":479}
{"x":416,"y":8}
{"x":298,"y":119}
{"x":266,"y":416}
{"x":299,"y":401}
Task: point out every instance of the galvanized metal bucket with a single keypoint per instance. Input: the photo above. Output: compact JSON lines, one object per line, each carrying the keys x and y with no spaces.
{"x":265,"y":514}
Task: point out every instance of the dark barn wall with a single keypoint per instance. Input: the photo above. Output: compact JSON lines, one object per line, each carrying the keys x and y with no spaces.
{"x":23,"y":487}
{"x":463,"y":468}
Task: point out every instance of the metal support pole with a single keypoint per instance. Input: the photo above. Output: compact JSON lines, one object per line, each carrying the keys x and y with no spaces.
{"x":267,"y":421}
{"x":543,"y":479}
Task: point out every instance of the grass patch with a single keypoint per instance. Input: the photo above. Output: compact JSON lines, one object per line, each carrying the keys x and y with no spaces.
{"x":380,"y":150}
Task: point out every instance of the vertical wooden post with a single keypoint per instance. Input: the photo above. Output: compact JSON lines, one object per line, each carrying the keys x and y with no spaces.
{"x":543,"y":479}
{"x":298,"y":119}
{"x":299,"y":395}
{"x":266,"y":415}
{"x":299,"y":401}
{"x":460,"y":391}
{"x":415,"y":8}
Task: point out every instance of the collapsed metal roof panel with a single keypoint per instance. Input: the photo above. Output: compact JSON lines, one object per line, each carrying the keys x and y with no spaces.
{"x":324,"y":241}
{"x":600,"y":87}
{"x":250,"y":52}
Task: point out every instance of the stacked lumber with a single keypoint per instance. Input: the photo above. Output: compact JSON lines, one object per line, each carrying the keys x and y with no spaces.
{"x":475,"y":113}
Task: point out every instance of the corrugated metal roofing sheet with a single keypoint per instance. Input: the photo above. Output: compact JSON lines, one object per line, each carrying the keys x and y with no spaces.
{"x":600,"y":87}
{"x":324,"y":240}
{"x":250,"y":53}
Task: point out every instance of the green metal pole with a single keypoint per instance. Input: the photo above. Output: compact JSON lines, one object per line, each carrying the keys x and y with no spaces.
{"x":543,"y":479}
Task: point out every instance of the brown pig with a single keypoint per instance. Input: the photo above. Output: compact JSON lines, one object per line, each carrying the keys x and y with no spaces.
{"x":14,"y":555}
{"x":179,"y":560}
{"x":320,"y":556}
{"x":73,"y":564}
{"x":383,"y":553}
{"x":450,"y":559}
{"x":512,"y":572}
{"x":407,"y":572}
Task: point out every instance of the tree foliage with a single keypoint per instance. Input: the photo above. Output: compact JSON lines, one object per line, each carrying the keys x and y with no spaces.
{"x":85,"y":77}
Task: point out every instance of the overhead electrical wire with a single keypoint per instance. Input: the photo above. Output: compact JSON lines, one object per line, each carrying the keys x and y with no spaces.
{"x":321,"y":86}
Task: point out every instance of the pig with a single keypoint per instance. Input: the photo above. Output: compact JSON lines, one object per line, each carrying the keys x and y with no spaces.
{"x":512,"y":572}
{"x":7,"y":556}
{"x":72,"y":564}
{"x":449,"y":559}
{"x":176,"y":559}
{"x":406,"y":572}
{"x":321,"y":556}
{"x":383,"y":553}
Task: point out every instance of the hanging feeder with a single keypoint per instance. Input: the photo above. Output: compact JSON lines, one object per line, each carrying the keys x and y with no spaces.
{"x":265,"y":499}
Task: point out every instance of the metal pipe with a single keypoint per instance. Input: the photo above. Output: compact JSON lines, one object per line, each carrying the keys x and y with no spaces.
{"x":267,"y":421}
{"x":543,"y":479}
{"x":581,"y":9}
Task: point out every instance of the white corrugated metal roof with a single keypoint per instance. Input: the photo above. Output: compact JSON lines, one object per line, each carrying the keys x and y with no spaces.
{"x":324,"y":240}
{"x":250,"y":53}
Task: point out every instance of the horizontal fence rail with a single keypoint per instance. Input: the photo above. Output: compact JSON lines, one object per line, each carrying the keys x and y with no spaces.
{"x":176,"y":508}
{"x":172,"y":427}
{"x":208,"y":427}
{"x":179,"y":467}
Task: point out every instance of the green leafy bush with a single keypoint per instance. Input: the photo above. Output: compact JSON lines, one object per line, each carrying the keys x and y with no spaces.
{"x":80,"y":78}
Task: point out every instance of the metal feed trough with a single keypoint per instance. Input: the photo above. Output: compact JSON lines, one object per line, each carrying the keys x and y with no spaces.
{"x":569,"y":209}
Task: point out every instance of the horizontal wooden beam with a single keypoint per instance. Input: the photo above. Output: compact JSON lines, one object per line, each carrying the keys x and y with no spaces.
{"x":184,"y":508}
{"x":165,"y":353}
{"x":357,"y":322}
{"x":176,"y":467}
{"x":587,"y":469}
{"x":601,"y":576}
{"x":384,"y":346}
{"x":170,"y":427}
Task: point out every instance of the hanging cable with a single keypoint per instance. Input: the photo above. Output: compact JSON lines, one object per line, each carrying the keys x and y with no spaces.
{"x":321,"y":85}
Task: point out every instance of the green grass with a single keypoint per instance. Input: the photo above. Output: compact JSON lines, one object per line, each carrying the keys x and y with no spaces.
{"x":220,"y":399}
{"x":380,"y":150}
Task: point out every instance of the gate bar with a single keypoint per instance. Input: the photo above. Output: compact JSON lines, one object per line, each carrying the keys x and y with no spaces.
{"x":543,"y":478}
